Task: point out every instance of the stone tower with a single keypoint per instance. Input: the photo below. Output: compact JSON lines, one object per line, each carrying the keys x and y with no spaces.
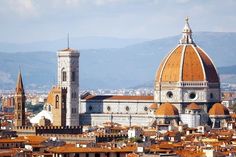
{"x":68,"y":78}
{"x":57,"y":101}
{"x":19,"y":111}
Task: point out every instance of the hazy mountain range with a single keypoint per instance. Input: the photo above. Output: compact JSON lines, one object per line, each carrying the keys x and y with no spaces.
{"x":81,"y":43}
{"x":109,"y":62}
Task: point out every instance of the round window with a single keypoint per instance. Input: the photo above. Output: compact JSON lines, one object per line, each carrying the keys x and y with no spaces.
{"x":127,"y":108}
{"x":169,"y":94}
{"x":145,"y":108}
{"x":192,"y":95}
{"x":108,"y":108}
{"x":90,"y":108}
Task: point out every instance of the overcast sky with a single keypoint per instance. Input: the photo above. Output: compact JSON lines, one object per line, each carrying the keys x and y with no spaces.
{"x":37,"y":20}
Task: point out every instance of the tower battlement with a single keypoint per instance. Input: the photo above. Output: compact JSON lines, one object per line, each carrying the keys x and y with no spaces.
{"x":38,"y":130}
{"x":64,"y":90}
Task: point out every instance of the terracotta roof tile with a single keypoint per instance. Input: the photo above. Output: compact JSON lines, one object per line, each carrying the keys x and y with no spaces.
{"x":65,"y":149}
{"x":189,"y":64}
{"x":192,"y":69}
{"x":171,"y":69}
{"x":211,"y":73}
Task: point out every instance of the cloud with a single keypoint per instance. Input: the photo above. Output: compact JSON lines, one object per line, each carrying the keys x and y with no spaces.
{"x":73,"y":3}
{"x":104,"y":2}
{"x":84,"y":3}
{"x":23,"y":8}
{"x":182,"y":1}
{"x":6,"y":77}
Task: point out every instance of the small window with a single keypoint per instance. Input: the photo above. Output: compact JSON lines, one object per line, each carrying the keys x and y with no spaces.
{"x":108,"y":108}
{"x":63,"y":76}
{"x":19,"y":116}
{"x":73,"y":95}
{"x":49,"y":108}
{"x":57,"y":101}
{"x":211,"y":96}
{"x":73,"y":76}
{"x":127,"y":108}
{"x":90,"y":108}
{"x":169,"y":94}
{"x":145,"y":108}
{"x":73,"y":110}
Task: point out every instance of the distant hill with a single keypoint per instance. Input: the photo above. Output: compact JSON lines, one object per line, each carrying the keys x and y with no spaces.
{"x":130,"y":66}
{"x":228,"y":74}
{"x":227,"y":69}
{"x":81,"y":43}
{"x":38,"y":69}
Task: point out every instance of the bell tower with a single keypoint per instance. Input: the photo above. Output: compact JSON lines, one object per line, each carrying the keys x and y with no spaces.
{"x":19,"y":111}
{"x":68,"y":79}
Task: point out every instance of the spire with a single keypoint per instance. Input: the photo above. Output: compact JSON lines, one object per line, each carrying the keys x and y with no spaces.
{"x":68,"y":41}
{"x":186,"y":34}
{"x":19,"y":84}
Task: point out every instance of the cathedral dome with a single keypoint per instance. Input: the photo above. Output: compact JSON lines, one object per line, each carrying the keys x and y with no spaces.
{"x":218,"y":109}
{"x":167,"y":109}
{"x":187,"y":62}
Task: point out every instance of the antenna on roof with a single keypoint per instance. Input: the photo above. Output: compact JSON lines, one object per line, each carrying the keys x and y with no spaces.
{"x":68,"y":40}
{"x":19,"y":68}
{"x":186,"y":19}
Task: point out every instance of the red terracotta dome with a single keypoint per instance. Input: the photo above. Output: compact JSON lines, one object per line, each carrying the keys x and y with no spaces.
{"x":218,"y":109}
{"x":187,"y":62}
{"x":167,"y":109}
{"x":193,"y":106}
{"x":153,"y":106}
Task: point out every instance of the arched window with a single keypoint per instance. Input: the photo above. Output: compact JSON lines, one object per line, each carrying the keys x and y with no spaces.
{"x":57,"y":101}
{"x":211,"y":96}
{"x":73,"y":110}
{"x":49,"y":108}
{"x":73,"y":95}
{"x":63,"y":75}
{"x":90,"y":108}
{"x":73,"y":76}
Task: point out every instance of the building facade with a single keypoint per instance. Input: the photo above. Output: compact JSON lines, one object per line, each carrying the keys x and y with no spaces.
{"x":126,"y":110}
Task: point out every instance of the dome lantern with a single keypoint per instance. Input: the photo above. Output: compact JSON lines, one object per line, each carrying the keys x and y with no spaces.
{"x":186,"y":34}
